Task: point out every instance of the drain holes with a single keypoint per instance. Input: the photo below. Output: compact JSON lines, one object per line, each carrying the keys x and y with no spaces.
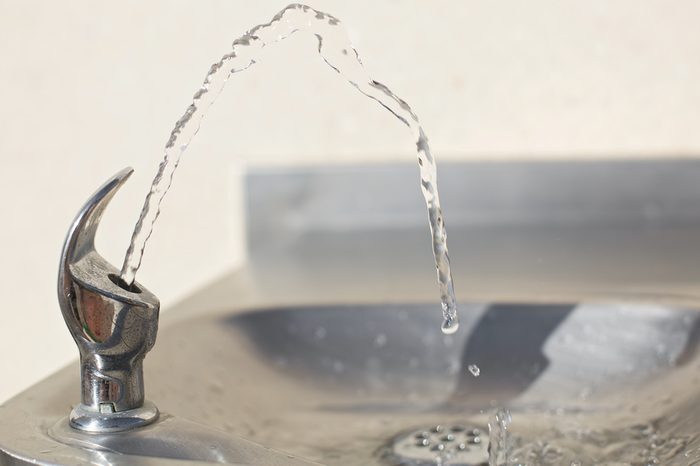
{"x":459,"y":444}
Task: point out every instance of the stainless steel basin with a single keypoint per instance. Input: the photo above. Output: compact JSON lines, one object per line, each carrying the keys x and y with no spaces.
{"x":594,"y":383}
{"x":581,"y":316}
{"x":348,"y":385}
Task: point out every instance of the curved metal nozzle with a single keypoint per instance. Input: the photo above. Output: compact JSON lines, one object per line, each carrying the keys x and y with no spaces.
{"x":114,"y":325}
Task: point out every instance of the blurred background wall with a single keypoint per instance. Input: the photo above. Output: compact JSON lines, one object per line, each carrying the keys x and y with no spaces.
{"x":90,"y":87}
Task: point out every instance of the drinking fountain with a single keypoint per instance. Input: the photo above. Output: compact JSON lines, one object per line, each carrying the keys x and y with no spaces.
{"x":115,"y":326}
{"x":326,"y":347}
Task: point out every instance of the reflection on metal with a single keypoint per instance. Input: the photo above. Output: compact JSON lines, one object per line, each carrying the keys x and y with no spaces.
{"x":171,"y":440}
{"x":301,"y":351}
{"x":113,"y":326}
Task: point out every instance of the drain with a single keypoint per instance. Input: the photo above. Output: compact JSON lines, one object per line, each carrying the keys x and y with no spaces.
{"x":460,"y":445}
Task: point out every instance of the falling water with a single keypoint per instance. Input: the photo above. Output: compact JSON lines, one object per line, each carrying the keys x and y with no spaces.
{"x":337,"y":51}
{"x":498,"y":438}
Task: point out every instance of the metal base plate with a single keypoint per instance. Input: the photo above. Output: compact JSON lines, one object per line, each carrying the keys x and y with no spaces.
{"x":88,"y":420}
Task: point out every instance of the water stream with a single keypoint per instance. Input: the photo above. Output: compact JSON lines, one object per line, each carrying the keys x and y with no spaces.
{"x":498,"y":438}
{"x":337,"y":51}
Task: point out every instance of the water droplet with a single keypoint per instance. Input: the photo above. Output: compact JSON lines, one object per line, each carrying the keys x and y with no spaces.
{"x":474,"y":369}
{"x":424,"y":442}
{"x":450,"y":326}
{"x":320,"y":333}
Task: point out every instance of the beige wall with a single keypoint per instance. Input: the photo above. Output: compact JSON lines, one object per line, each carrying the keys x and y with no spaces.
{"x":90,"y":87}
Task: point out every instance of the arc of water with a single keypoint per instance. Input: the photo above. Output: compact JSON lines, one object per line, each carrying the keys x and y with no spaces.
{"x":337,"y":51}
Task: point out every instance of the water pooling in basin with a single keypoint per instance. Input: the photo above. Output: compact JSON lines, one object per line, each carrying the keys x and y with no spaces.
{"x":337,"y":51}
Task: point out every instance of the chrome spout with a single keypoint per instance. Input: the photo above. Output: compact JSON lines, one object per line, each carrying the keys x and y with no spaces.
{"x":113,"y":325}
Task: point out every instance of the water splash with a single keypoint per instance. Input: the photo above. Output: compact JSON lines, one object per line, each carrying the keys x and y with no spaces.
{"x":498,"y":438}
{"x":585,"y":443}
{"x":337,"y":51}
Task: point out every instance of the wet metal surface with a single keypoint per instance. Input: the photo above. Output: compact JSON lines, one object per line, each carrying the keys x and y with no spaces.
{"x":327,"y":345}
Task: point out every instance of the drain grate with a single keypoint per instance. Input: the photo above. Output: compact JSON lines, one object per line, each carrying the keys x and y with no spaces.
{"x":460,"y":445}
